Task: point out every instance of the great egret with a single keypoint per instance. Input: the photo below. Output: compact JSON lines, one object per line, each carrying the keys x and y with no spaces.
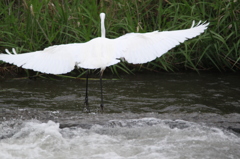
{"x":101,"y":52}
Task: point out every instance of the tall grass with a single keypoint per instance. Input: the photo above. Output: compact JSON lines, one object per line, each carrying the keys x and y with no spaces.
{"x":30,"y":25}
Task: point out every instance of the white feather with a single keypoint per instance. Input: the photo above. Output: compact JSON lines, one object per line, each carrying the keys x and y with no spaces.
{"x":139,"y":48}
{"x":102,"y":52}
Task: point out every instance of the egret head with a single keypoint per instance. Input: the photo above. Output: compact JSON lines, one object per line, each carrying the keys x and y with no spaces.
{"x":103,"y":32}
{"x":102,"y":15}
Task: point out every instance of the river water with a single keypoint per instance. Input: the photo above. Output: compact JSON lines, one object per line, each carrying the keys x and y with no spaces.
{"x":165,"y":115}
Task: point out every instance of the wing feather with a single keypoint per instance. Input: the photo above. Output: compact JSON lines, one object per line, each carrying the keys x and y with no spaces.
{"x":139,"y":48}
{"x":56,"y":59}
{"x":102,"y":52}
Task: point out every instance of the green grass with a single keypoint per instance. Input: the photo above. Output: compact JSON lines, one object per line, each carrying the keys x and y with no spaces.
{"x":30,"y":25}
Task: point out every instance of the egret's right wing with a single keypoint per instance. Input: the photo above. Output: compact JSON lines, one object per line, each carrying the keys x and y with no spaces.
{"x":139,"y":48}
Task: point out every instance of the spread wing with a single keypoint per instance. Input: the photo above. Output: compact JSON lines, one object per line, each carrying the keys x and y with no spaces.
{"x":102,"y":52}
{"x":56,"y":59}
{"x":139,"y":48}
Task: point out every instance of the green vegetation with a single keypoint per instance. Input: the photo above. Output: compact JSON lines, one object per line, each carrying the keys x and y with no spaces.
{"x":30,"y":25}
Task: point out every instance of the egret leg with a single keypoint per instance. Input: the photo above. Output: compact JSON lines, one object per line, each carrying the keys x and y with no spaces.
{"x":86,"y":95}
{"x":101,"y":104}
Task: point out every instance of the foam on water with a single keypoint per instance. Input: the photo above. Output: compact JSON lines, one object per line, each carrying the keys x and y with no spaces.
{"x":132,"y":138}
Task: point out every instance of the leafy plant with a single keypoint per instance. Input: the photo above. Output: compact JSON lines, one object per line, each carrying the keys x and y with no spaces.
{"x":34,"y":25}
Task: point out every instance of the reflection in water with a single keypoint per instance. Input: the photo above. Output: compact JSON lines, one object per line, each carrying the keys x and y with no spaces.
{"x":154,"y":116}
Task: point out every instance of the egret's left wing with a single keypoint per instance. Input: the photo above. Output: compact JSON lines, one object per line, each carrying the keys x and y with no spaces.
{"x":139,"y":48}
{"x":56,"y":59}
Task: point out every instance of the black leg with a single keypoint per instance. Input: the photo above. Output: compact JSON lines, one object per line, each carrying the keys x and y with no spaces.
{"x":101,"y":105}
{"x":86,"y":106}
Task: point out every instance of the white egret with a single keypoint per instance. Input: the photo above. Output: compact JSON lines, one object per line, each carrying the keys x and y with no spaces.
{"x":101,"y":52}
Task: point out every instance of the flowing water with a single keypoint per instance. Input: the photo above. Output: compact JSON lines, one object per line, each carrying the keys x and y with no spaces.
{"x":172,"y":116}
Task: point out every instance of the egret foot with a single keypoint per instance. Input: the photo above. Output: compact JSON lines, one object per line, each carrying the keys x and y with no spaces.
{"x":101,"y":106}
{"x":86,"y":106}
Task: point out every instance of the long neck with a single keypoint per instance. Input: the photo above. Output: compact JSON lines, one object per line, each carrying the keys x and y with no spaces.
{"x":103,"y":31}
